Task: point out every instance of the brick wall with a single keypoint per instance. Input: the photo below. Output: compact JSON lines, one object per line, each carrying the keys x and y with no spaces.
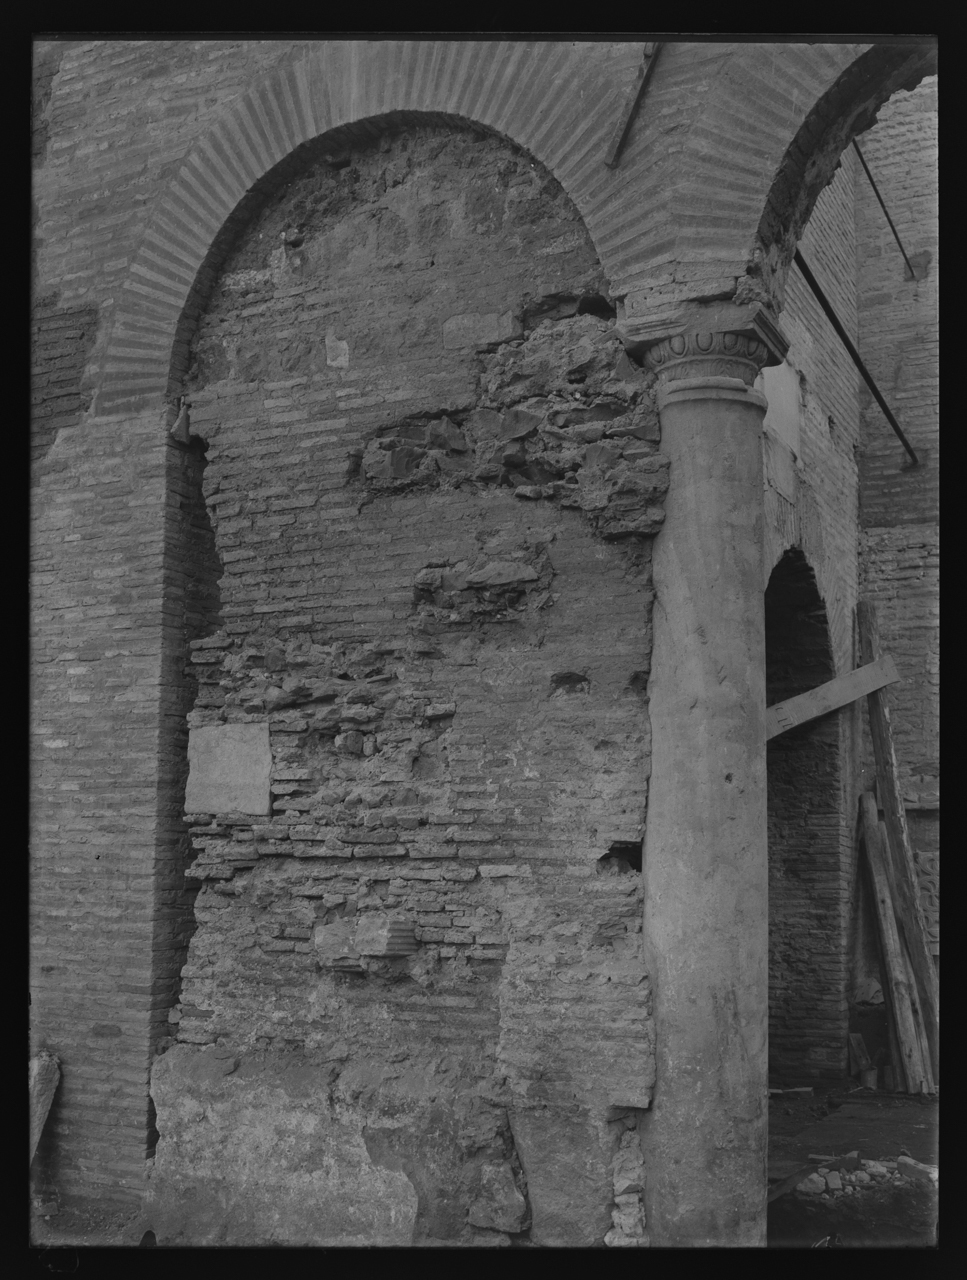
{"x":112,"y":605}
{"x":829,"y":418}
{"x":62,"y":341}
{"x":97,"y":573}
{"x":808,"y":891}
{"x":811,"y":502}
{"x":675,"y":221}
{"x":142,"y":150}
{"x":62,"y":338}
{"x":898,"y":339}
{"x":432,"y":475}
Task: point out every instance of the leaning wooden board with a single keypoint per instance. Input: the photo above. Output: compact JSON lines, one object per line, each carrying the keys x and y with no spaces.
{"x":830,"y":696}
{"x":897,"y":976}
{"x":901,"y":864}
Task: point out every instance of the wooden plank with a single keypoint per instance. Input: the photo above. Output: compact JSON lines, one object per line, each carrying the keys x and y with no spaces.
{"x":927,"y":1085}
{"x":903,"y":873}
{"x":916,"y":1008}
{"x":896,"y":1065}
{"x":866,"y":886}
{"x":830,"y":696}
{"x":623,"y":127}
{"x":858,"y":1054}
{"x":896,"y":973}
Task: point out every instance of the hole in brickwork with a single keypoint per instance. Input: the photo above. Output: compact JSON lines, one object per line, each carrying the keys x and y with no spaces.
{"x":638,"y":683}
{"x":622,"y":859}
{"x":569,"y":682}
{"x":596,"y":304}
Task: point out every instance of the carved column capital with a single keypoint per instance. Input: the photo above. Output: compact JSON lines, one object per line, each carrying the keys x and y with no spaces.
{"x":702,"y":365}
{"x":696,"y":354}
{"x":714,"y":350}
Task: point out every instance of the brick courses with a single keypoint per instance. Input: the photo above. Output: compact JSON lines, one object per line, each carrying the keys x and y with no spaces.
{"x":809,"y":876}
{"x":144,"y":151}
{"x":436,"y":805}
{"x":97,"y":672}
{"x":307,"y":93}
{"x":811,"y":555}
{"x":899,"y":339}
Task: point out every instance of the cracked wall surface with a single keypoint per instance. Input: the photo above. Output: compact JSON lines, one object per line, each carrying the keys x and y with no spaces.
{"x":433,"y":475}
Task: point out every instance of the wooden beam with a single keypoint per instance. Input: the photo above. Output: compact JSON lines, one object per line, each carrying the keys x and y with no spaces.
{"x":911,"y":1062}
{"x":830,"y":696}
{"x":867,"y":886}
{"x":903,"y":871}
{"x":623,"y":127}
{"x":917,"y":1010}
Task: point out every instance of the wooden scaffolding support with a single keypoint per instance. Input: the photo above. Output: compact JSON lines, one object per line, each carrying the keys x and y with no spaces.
{"x":910,"y":982}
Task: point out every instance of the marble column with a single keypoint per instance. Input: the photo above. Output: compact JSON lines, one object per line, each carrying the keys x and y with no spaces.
{"x":705,"y":859}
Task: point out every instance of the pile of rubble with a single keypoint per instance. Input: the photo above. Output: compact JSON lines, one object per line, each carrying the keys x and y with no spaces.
{"x":848,"y":1175}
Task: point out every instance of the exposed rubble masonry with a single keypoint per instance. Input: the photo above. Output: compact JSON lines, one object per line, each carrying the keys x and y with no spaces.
{"x":434,"y":476}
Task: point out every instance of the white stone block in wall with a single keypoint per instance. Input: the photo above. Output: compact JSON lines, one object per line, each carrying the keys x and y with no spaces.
{"x":229,"y":768}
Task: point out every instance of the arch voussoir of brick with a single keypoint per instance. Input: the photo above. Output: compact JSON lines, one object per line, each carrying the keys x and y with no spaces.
{"x":720,"y":140}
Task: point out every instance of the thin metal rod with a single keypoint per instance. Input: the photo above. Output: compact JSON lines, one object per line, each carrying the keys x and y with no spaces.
{"x":844,"y":338}
{"x":646,"y":71}
{"x":876,"y":192}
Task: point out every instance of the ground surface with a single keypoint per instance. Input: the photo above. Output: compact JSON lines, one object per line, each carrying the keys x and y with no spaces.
{"x":833,"y":1123}
{"x":85,"y":1227}
{"x":825,"y":1122}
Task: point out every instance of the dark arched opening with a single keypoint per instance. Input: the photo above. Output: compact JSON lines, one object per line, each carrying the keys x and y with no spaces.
{"x":808,"y":869}
{"x":848,"y":108}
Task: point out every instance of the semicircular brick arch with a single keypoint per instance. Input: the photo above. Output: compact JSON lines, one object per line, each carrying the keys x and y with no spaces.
{"x":678,"y":217}
{"x":536,"y":94}
{"x":846,"y":109}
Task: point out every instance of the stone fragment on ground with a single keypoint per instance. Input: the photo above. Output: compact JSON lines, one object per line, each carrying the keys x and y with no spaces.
{"x":847,"y":1175}
{"x":911,"y":1168}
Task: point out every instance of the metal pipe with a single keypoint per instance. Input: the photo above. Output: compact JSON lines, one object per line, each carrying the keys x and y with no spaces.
{"x":844,"y":337}
{"x":876,"y":192}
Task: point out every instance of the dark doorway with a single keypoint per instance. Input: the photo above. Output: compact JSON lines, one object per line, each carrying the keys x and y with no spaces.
{"x":809,"y":859}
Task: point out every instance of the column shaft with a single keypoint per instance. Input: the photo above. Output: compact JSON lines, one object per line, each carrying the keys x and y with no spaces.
{"x":705,"y":864}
